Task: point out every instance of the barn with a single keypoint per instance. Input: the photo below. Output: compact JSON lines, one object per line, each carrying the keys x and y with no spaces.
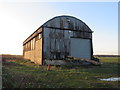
{"x":58,"y":38}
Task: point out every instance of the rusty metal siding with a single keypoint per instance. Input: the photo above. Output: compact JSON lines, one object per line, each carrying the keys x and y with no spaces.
{"x":56,"y":43}
{"x":58,"y":33}
{"x":70,"y":23}
{"x":67,"y":22}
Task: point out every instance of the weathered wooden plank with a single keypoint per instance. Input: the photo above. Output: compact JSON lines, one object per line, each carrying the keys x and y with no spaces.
{"x":82,"y":59}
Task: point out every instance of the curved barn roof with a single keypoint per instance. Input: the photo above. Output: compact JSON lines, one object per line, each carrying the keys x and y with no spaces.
{"x":62,"y":22}
{"x":67,"y":22}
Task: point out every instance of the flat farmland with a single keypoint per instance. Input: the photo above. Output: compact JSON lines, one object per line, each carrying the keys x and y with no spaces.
{"x":20,"y":73}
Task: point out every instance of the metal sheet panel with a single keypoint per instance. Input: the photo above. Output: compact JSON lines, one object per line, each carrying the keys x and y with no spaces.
{"x":80,"y":48}
{"x":67,"y":22}
{"x":56,"y":43}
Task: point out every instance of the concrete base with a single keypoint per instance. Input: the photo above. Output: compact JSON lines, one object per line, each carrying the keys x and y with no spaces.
{"x":66,"y":62}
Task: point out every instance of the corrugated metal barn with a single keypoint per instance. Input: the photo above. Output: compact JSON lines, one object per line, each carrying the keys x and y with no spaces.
{"x":58,"y":38}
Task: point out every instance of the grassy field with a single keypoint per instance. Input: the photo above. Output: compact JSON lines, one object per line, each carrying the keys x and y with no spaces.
{"x":20,"y":73}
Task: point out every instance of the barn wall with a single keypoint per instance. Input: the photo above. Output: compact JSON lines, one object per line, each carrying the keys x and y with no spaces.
{"x":58,"y":33}
{"x":38,"y":52}
{"x":57,"y":43}
{"x":33,"y":49}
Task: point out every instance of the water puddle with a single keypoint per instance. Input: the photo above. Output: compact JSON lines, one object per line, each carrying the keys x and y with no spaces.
{"x":111,"y":79}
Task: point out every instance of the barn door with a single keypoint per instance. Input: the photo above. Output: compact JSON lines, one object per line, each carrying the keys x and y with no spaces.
{"x":80,"y":48}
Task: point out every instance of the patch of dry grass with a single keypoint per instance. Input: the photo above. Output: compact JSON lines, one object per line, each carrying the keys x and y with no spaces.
{"x":20,"y":73}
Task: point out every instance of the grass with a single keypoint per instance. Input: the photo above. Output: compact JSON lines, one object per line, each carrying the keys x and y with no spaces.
{"x":24,"y":74}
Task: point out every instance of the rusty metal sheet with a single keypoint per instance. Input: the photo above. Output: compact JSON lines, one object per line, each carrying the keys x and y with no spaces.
{"x":67,"y":23}
{"x":57,"y":44}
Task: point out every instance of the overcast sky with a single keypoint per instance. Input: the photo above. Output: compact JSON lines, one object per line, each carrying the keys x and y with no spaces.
{"x":20,"y":19}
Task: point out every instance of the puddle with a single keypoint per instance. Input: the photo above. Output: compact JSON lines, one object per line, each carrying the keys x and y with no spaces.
{"x":111,"y":79}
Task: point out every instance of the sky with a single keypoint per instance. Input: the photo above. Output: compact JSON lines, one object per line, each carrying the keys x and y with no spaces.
{"x":18,"y":20}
